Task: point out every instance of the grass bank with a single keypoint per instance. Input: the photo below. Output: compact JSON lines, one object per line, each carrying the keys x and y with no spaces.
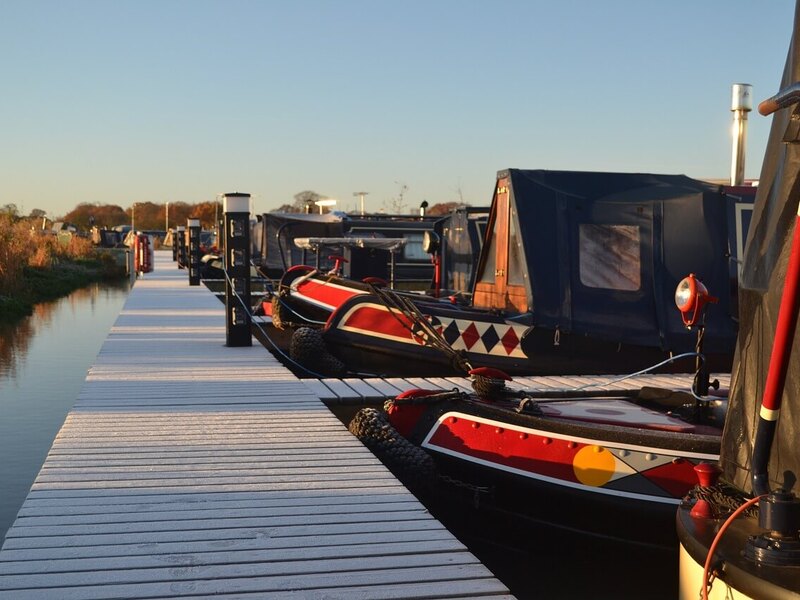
{"x":36,"y":267}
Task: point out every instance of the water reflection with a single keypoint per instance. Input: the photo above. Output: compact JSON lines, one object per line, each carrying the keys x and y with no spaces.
{"x":16,"y":337}
{"x":13,"y":343}
{"x":43,"y":363}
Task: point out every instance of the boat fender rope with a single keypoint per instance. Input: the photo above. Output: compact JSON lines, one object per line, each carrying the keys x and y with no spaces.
{"x":721,"y":498}
{"x":307,"y":347}
{"x":419,"y":399}
{"x":410,"y":463}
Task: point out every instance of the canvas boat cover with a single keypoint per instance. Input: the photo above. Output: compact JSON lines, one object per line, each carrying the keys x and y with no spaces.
{"x":765,"y":260}
{"x":602,"y":253}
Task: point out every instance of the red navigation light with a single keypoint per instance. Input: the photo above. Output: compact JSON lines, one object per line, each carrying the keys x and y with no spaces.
{"x":690,"y":298}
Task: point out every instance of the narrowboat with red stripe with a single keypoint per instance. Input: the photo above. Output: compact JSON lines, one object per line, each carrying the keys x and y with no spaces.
{"x":576,"y":275}
{"x":610,"y":463}
{"x":739,"y":530}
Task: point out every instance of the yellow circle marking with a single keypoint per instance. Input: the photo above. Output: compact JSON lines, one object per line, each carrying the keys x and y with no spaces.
{"x":594,"y":465}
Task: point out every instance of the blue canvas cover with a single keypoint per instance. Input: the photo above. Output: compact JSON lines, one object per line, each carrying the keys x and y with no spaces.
{"x":604,"y":252}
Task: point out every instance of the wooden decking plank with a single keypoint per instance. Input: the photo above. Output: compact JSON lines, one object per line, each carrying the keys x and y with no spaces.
{"x":422,"y":383}
{"x":329,"y":565}
{"x":475,"y":588}
{"x":343,"y":490}
{"x":294,"y":580}
{"x":364,"y":389}
{"x":340,"y":389}
{"x":216,"y":557}
{"x":322,"y":391}
{"x":462,"y":383}
{"x":250,"y":543}
{"x":384,"y":387}
{"x":221,"y":534}
{"x":142,"y":511}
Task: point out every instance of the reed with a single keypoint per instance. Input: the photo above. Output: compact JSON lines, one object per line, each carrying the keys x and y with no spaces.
{"x":22,"y":247}
{"x":16,"y":249}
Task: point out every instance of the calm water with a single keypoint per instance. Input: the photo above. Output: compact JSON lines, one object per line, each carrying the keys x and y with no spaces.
{"x":43,"y":363}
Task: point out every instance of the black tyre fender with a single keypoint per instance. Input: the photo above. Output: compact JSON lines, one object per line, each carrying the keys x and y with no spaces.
{"x":410,"y":463}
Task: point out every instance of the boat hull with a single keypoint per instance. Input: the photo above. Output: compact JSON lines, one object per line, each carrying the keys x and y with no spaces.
{"x":370,"y":336}
{"x":607,"y":466}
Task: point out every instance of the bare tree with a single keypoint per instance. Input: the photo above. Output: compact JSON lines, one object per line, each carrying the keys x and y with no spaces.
{"x":304,"y":201}
{"x":10,"y":209}
{"x":460,"y":193}
{"x":396,"y":204}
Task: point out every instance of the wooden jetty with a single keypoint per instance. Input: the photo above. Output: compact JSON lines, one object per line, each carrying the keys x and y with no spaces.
{"x":187,"y":469}
{"x":353,"y":391}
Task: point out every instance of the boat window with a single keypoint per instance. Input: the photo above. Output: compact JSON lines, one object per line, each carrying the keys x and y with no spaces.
{"x":516,"y":261}
{"x":413,"y":248}
{"x":610,"y":256}
{"x":488,"y":274}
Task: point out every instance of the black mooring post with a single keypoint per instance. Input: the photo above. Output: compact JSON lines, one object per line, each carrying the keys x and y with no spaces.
{"x":180,"y":233}
{"x":174,"y":245}
{"x":236,"y":207}
{"x":194,"y":251}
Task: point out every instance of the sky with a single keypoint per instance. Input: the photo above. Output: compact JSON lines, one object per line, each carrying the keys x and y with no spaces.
{"x":117,"y":102}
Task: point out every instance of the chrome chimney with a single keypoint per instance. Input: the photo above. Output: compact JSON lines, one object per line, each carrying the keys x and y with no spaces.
{"x":741,"y":104}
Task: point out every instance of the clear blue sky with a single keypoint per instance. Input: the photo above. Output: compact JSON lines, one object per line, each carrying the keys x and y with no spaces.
{"x":119,"y":102}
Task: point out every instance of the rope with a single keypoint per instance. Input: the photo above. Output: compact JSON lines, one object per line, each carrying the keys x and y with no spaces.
{"x":294,"y":312}
{"x":248,"y":310}
{"x":283,"y":304}
{"x":710,"y":574}
{"x":619,"y":379}
{"x":431,"y":338}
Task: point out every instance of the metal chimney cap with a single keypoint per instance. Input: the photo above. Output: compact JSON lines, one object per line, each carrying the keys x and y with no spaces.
{"x":742,"y":97}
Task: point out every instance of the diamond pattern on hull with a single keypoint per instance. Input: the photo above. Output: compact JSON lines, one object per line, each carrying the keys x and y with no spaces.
{"x":510,"y":340}
{"x":470,"y":335}
{"x":490,"y":338}
{"x":451,"y":333}
{"x":495,"y":339}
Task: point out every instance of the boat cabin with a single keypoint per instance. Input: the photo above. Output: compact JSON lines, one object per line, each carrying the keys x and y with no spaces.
{"x":602,"y":253}
{"x":274,"y":249}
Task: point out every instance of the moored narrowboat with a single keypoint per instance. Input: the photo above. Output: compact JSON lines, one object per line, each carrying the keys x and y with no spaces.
{"x":576,"y":274}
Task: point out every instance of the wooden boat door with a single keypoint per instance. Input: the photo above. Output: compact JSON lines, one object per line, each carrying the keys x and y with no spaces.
{"x":501,"y":273}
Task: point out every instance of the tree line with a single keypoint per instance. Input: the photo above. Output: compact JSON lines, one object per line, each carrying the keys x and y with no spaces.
{"x":154,"y":216}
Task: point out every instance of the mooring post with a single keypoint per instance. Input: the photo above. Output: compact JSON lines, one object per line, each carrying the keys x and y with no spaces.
{"x":236,"y":207}
{"x":174,"y":245}
{"x":180,"y":234}
{"x":194,"y":250}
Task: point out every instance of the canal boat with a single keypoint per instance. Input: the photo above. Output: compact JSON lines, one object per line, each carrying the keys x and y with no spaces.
{"x":739,"y":530}
{"x":609,"y":463}
{"x":575,"y":275}
{"x":274,"y":249}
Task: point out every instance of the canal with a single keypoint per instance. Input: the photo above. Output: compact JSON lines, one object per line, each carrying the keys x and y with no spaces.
{"x":43,"y":364}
